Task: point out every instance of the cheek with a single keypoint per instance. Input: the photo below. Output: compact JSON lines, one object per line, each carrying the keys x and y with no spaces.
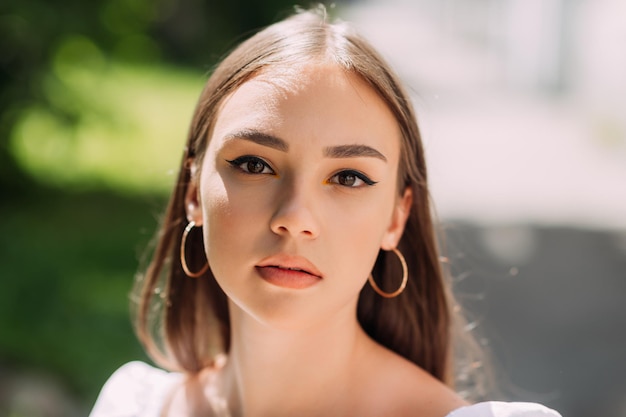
{"x":233,"y":219}
{"x":356,"y":230}
{"x":367,"y":216}
{"x":220,"y":231}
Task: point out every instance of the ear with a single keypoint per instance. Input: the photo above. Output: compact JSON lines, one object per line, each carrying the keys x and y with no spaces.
{"x":401,"y":212}
{"x":193,"y":207}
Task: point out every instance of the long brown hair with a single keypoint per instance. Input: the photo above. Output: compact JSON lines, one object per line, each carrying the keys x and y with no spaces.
{"x":184,"y":322}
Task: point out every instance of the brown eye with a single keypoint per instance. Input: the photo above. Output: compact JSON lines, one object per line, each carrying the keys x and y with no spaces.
{"x":346,"y":179}
{"x":352,"y":179}
{"x":255,"y":167}
{"x":251,"y":165}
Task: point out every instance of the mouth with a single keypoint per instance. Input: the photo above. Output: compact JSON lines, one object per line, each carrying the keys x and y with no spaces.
{"x":289,"y":271}
{"x":290,"y":263}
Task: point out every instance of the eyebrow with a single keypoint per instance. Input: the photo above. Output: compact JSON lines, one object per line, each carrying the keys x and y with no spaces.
{"x":352,"y":151}
{"x":259,"y":138}
{"x":340,"y":151}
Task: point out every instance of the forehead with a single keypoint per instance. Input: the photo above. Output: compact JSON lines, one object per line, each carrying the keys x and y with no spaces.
{"x":314,"y":102}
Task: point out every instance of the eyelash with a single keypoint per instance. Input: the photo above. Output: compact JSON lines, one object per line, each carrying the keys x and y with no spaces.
{"x":350,"y":172}
{"x":238,"y":163}
{"x":247,"y":159}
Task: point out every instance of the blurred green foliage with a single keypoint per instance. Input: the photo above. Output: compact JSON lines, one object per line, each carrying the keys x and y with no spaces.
{"x":95,"y":98}
{"x":131,"y":138}
{"x":68,"y":263}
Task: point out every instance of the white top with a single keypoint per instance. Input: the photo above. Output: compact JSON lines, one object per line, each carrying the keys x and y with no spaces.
{"x":139,"y":390}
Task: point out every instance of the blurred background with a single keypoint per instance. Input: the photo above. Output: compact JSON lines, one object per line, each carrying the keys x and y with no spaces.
{"x":522,"y":104}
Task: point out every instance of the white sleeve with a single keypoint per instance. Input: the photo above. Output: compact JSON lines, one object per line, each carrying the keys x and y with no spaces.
{"x":135,"y":390}
{"x":503,"y":409}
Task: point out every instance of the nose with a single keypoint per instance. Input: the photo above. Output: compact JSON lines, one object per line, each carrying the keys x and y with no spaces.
{"x":294,"y":216}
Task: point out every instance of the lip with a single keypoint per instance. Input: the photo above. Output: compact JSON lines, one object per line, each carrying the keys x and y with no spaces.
{"x":289,"y":271}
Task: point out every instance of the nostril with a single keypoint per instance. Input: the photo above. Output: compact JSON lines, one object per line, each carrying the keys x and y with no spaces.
{"x":293,"y":231}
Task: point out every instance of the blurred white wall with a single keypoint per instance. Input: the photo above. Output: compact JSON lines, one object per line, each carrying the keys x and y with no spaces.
{"x":522,"y":104}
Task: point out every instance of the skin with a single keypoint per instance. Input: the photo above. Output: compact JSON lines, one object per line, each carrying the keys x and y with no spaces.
{"x":312,"y":139}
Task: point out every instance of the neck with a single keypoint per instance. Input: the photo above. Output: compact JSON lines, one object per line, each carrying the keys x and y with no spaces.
{"x":273,"y":370}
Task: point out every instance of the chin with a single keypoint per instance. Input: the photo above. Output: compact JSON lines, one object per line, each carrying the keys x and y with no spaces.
{"x":285,"y":310}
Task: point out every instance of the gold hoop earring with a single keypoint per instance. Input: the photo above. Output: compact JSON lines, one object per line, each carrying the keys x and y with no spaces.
{"x":405,"y":278}
{"x":183,"y":260}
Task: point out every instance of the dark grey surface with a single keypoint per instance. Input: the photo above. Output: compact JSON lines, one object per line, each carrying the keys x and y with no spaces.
{"x":551,"y":302}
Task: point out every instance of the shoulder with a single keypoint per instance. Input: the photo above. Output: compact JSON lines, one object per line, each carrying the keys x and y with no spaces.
{"x":135,"y":390}
{"x":390,"y":382}
{"x":503,"y":409}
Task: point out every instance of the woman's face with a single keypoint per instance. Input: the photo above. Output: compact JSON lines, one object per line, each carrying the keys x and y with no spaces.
{"x":297,"y":193}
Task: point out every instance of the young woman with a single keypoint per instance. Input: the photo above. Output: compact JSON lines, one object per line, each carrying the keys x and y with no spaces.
{"x":297,"y":271}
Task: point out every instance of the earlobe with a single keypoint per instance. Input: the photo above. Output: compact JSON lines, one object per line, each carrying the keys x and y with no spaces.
{"x":193,"y":207}
{"x":401,"y":213}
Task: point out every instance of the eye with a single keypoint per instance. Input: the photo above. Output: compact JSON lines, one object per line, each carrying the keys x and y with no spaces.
{"x":351,"y":178}
{"x":251,"y":165}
